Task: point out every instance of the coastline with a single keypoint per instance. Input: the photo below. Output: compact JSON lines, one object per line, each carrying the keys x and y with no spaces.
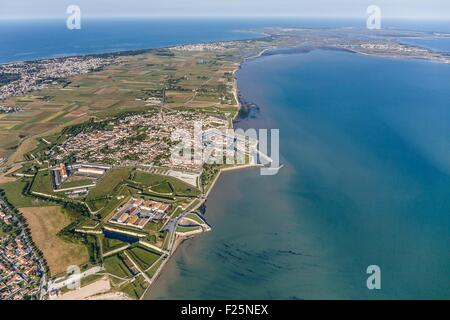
{"x":131,"y":52}
{"x":189,"y":266}
{"x":178,"y":240}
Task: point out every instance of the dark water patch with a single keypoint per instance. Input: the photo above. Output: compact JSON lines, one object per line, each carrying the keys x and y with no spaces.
{"x":120,"y":236}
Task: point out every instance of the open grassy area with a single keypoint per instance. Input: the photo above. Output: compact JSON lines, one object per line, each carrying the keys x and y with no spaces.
{"x":187,"y":229}
{"x":163,"y":187}
{"x":112,"y":244}
{"x":42,"y":183}
{"x":136,"y":288}
{"x":115,"y":266}
{"x":45,"y":223}
{"x":108,"y":184}
{"x":90,"y":224}
{"x":76,"y":183}
{"x":90,"y":279}
{"x":106,"y":206}
{"x":13,"y":191}
{"x":195,"y":217}
{"x":109,"y":192}
{"x":151,"y":272}
{"x":164,"y":184}
{"x":144,"y":257}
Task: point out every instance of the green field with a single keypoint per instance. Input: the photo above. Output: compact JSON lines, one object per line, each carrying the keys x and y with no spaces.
{"x":115,"y":266}
{"x":111,"y":244}
{"x":13,"y":191}
{"x":90,"y":223}
{"x":90,"y":279}
{"x":104,"y":196}
{"x":187,"y":229}
{"x":42,"y":183}
{"x":108,"y":184}
{"x":164,"y":184}
{"x":164,"y":187}
{"x":76,"y":183}
{"x":195,"y":217}
{"x":107,"y":206}
{"x":136,"y":288}
{"x":144,"y":257}
{"x":151,"y":272}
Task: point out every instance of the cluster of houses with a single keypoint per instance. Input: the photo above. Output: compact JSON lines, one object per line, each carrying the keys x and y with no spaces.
{"x":138,"y":139}
{"x":218,"y":46}
{"x":138,"y":212}
{"x":6,"y":109}
{"x":35,"y":75}
{"x":19,"y":272}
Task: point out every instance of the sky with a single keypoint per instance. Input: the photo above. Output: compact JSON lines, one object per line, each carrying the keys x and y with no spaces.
{"x":412,"y":9}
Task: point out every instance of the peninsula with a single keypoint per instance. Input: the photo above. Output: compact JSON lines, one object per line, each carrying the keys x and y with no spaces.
{"x":91,"y":204}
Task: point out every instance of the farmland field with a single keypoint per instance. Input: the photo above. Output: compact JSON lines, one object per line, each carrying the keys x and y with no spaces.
{"x":45,"y":223}
{"x":32,"y":140}
{"x":117,"y":88}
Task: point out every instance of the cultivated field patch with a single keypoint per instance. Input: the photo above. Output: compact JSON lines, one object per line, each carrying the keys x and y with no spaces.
{"x":45,"y":223}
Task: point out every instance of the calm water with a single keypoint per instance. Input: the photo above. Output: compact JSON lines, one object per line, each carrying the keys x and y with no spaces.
{"x":28,"y":40}
{"x":366,"y":146}
{"x":35,"y":39}
{"x":440,"y":44}
{"x":366,"y":143}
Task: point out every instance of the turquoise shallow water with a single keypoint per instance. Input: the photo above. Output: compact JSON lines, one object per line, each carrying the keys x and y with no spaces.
{"x":366,"y":144}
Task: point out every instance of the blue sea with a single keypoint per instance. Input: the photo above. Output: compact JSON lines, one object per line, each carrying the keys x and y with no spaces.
{"x":366,"y":146}
{"x":439,"y":45}
{"x":37,"y":39}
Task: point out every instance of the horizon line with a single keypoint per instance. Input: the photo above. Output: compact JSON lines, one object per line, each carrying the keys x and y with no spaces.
{"x":229,"y":17}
